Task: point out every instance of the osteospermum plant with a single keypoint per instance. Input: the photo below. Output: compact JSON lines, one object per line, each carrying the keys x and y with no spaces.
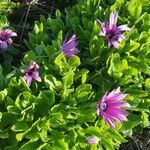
{"x":111,"y":31}
{"x":31,"y":73}
{"x":110,"y":107}
{"x":6,"y":38}
{"x":69,"y":47}
{"x":80,"y":103}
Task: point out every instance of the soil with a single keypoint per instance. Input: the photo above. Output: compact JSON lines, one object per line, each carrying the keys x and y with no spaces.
{"x":138,"y":141}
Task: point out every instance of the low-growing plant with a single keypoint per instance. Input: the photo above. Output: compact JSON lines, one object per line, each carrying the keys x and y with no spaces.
{"x":69,"y":107}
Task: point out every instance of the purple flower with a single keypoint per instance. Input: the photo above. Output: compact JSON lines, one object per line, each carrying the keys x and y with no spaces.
{"x":5,"y":38}
{"x":110,"y":107}
{"x":111,"y":31}
{"x":31,"y":73}
{"x":92,"y":140}
{"x":69,"y":48}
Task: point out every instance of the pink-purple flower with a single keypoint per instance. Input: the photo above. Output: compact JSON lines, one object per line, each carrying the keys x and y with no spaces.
{"x":110,"y":107}
{"x":31,"y":73}
{"x":92,"y":140}
{"x":111,"y":31}
{"x":69,"y":48}
{"x":5,"y":38}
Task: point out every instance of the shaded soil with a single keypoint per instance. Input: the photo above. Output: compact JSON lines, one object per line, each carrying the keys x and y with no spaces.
{"x":138,"y":141}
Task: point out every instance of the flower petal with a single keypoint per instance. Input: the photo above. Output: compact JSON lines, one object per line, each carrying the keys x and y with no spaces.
{"x":92,"y":140}
{"x":118,"y":104}
{"x":28,"y":80}
{"x":113,"y":107}
{"x":103,"y":28}
{"x":69,"y":47}
{"x":3,"y":45}
{"x":101,"y":24}
{"x":121,"y":37}
{"x":9,"y":41}
{"x":115,"y":43}
{"x":124,"y":28}
{"x":35,"y":76}
{"x":110,"y":122}
{"x":113,"y":18}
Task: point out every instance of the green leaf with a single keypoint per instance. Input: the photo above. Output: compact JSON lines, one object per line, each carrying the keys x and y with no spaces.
{"x":146,"y":22}
{"x":96,"y":28}
{"x":2,"y":79}
{"x":20,"y":136}
{"x":117,"y":66}
{"x":83,"y":117}
{"x":41,"y":28}
{"x":137,"y":92}
{"x":135,"y":8}
{"x":116,"y":136}
{"x":1,"y":116}
{"x":20,"y":126}
{"x":2,"y":95}
{"x":7,"y":119}
{"x":68,"y":79}
{"x":117,"y":5}
{"x":133,"y":46}
{"x":3,"y":21}
{"x":29,"y":56}
{"x":50,"y":81}
{"x":84,"y":78}
{"x":4,"y":134}
{"x":58,"y":107}
{"x":10,"y":148}
{"x":60,"y":61}
{"x":94,"y":131}
{"x":81,"y":73}
{"x":56,"y":119}
{"x":144,"y":104}
{"x":59,"y":141}
{"x":32,"y":134}
{"x":58,"y":13}
{"x":39,"y":49}
{"x":84,"y":87}
{"x":145,"y":119}
{"x":43,"y":135}
{"x":133,"y":120}
{"x":44,"y":102}
{"x":50,"y":50}
{"x":42,"y":146}
{"x":147,"y":83}
{"x":107,"y":143}
{"x":142,"y":66}
{"x":30,"y":146}
{"x":60,"y":37}
{"x":82,"y":92}
{"x":74,"y":61}
{"x":36,"y":28}
{"x":54,"y":25}
{"x":72,"y":136}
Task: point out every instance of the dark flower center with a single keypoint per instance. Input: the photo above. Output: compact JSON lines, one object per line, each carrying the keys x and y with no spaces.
{"x":2,"y":37}
{"x":30,"y":72}
{"x":103,"y":106}
{"x":110,"y":34}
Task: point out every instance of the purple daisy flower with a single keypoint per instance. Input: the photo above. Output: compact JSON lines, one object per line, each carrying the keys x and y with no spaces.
{"x":110,"y":107}
{"x":111,"y":31}
{"x":31,"y":73}
{"x":92,"y":140}
{"x":69,"y":48}
{"x":5,"y":38}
